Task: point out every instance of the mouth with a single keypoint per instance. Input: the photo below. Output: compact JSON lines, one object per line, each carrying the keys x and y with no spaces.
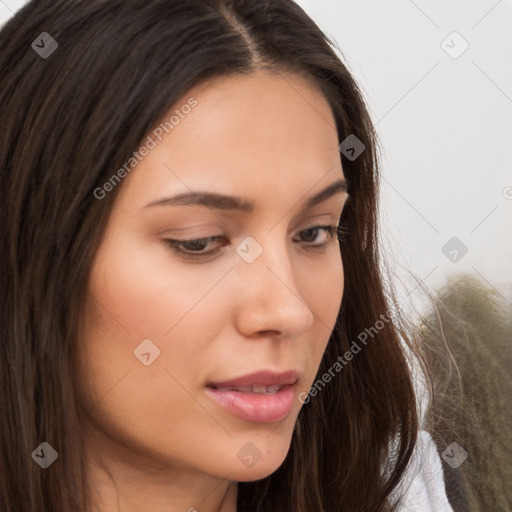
{"x":256,"y":381}
{"x":262,"y":397}
{"x":266,"y":390}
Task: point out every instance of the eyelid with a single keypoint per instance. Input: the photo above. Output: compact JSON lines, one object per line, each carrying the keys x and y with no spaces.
{"x":333,"y":231}
{"x":200,"y":226}
{"x":330,"y":218}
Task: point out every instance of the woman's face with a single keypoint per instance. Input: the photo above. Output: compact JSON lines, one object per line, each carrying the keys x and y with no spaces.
{"x":164,"y":324}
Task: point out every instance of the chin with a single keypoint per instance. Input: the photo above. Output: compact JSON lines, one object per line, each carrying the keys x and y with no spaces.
{"x":255,"y":473}
{"x":264,"y":467}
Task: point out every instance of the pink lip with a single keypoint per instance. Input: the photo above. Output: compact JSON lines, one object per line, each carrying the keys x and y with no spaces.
{"x":257,"y":407}
{"x":261,"y":378}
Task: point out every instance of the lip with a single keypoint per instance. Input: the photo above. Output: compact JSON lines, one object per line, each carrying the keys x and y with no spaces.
{"x":260,"y":378}
{"x":252,"y":406}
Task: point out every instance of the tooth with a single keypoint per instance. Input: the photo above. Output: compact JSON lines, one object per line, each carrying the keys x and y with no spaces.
{"x":253,"y":389}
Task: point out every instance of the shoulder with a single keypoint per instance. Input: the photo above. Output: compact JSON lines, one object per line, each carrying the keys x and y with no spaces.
{"x":422,"y":487}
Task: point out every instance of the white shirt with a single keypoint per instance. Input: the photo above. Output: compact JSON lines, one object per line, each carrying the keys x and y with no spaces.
{"x":423,"y":486}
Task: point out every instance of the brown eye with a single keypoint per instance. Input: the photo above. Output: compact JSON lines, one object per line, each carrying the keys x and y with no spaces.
{"x":195,"y":248}
{"x":330,"y":230}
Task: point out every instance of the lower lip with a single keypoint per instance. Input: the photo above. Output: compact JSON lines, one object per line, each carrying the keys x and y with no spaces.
{"x":256,"y":407}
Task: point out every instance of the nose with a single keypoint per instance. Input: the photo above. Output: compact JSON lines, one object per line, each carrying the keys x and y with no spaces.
{"x":270,"y":302}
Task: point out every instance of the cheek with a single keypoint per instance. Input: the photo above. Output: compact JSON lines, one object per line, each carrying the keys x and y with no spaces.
{"x":136,"y":298}
{"x":324,"y":282}
{"x":325,"y":285}
{"x":330,"y":284}
{"x":139,"y":292}
{"x":146,"y":290}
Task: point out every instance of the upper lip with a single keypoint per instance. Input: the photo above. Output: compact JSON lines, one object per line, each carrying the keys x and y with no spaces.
{"x":261,"y":378}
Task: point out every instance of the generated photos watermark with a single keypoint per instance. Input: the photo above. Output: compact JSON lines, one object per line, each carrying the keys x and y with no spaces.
{"x":343,"y":360}
{"x":150,"y":143}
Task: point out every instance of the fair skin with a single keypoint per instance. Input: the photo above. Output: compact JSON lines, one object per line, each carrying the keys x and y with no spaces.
{"x":166,"y":443}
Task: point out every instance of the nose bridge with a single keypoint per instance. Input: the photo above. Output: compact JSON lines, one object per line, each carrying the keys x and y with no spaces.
{"x":271,"y":298}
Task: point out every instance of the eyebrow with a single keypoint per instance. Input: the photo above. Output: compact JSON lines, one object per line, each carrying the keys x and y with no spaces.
{"x":225,"y":202}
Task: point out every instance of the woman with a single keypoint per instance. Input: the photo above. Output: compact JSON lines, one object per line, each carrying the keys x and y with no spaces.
{"x":194,"y":312}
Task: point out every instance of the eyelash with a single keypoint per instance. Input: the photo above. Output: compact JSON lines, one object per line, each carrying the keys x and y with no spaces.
{"x":334,"y":232}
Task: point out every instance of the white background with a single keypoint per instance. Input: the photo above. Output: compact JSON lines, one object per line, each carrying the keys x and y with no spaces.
{"x":445,"y":125}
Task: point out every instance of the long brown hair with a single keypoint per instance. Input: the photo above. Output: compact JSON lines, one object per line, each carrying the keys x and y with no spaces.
{"x":72,"y":117}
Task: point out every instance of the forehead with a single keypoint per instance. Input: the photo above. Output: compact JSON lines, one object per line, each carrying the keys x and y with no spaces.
{"x":253,"y":135}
